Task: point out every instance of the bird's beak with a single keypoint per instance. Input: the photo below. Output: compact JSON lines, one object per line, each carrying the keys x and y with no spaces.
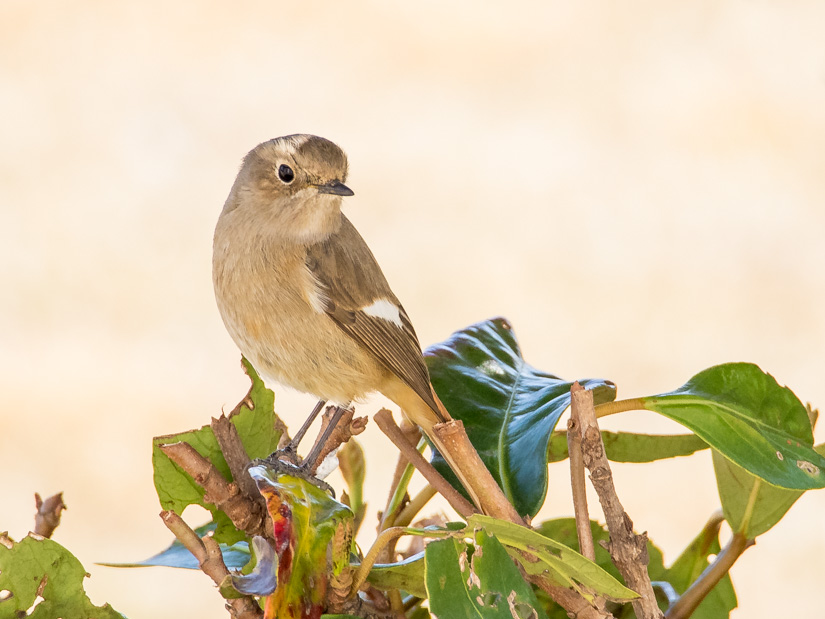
{"x":336,"y":188}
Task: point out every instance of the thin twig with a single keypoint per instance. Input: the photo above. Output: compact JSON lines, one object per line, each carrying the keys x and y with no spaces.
{"x":413,"y":435}
{"x":416,"y":504}
{"x":388,"y":426}
{"x":210,"y":560}
{"x":628,"y":550}
{"x":708,"y":579}
{"x":49,"y":510}
{"x":574,"y":450}
{"x":386,"y":536}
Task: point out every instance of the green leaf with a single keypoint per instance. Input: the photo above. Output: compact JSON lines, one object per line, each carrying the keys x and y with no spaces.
{"x":480,"y":584}
{"x":508,"y":407}
{"x":567,"y":566}
{"x":407,"y":575}
{"x":691,"y":563}
{"x":563,"y":530}
{"x":176,"y":555}
{"x":41,"y":567}
{"x":751,"y":505}
{"x":745,"y":415}
{"x":636,"y":448}
{"x":259,"y":430}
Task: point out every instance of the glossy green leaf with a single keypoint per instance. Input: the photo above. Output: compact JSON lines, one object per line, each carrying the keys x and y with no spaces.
{"x":634,"y":448}
{"x":691,"y":563}
{"x":235,"y":556}
{"x":745,"y":415}
{"x":259,"y":431}
{"x":508,"y":407}
{"x":483,"y":583}
{"x":407,"y":575}
{"x":565,"y":565}
{"x":41,"y":569}
{"x":305,"y":522}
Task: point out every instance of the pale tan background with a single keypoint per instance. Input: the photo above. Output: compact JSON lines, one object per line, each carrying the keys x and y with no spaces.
{"x":640,"y":189}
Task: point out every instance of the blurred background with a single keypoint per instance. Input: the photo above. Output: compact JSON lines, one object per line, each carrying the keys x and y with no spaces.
{"x":639,"y":190}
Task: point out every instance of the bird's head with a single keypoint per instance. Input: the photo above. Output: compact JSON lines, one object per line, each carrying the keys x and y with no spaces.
{"x":293,"y":185}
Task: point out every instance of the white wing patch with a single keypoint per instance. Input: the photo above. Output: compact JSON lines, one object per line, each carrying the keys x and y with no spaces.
{"x":314,"y":291}
{"x":385,"y":310}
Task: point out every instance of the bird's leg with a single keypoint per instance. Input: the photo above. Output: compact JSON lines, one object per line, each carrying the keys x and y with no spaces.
{"x":291,"y":450}
{"x":322,"y":440}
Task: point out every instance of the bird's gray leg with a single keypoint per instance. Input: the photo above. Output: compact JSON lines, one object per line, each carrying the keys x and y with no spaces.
{"x":322,"y":440}
{"x":292,"y":448}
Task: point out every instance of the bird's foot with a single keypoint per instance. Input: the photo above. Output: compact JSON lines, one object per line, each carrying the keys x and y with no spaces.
{"x":284,"y":466}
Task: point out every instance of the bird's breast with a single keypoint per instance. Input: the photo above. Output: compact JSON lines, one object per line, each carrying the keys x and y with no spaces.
{"x":273,"y":308}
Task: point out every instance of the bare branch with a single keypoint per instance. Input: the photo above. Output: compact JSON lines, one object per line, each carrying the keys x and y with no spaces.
{"x":47,"y":517}
{"x":574,"y":450}
{"x":235,"y":455}
{"x":628,"y":550}
{"x":455,"y":446}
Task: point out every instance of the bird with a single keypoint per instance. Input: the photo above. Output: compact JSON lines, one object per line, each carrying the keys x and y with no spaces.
{"x":300,"y":292}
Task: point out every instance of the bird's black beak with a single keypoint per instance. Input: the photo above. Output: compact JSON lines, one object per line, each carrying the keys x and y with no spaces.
{"x":335,"y":188}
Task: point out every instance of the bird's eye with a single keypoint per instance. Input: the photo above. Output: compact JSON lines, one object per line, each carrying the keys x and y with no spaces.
{"x":285,"y":173}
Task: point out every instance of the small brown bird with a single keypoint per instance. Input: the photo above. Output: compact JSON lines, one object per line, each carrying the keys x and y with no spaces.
{"x":301,"y":293}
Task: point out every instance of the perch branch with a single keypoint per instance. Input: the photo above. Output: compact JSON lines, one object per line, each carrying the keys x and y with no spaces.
{"x":628,"y":550}
{"x":246,"y":514}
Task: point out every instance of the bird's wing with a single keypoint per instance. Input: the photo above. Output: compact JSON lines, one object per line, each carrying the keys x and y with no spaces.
{"x":358,"y":298}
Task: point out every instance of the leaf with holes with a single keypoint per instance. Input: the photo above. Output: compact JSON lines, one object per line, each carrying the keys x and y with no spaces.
{"x":508,"y":407}
{"x":477,"y":582}
{"x":40,"y":579}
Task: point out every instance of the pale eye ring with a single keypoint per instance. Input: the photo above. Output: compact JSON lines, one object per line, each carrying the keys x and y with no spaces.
{"x":285,"y":173}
